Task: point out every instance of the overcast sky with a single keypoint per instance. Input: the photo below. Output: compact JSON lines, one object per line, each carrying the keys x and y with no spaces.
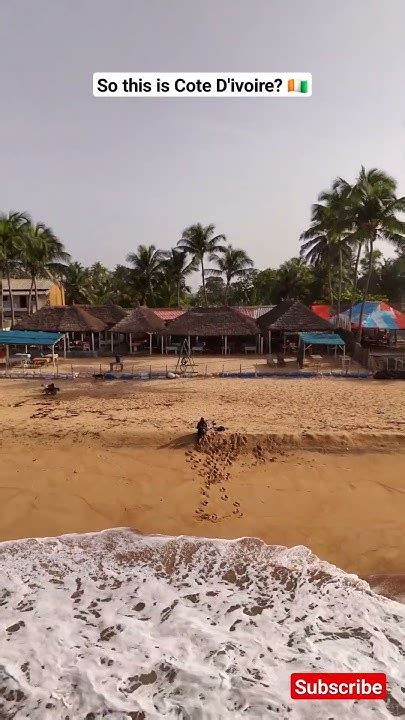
{"x":109,"y":174}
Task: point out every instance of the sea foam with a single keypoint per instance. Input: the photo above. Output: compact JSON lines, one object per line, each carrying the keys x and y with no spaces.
{"x":124,"y":626}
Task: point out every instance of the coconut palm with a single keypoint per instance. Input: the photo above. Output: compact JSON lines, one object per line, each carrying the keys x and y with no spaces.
{"x":147,"y":263}
{"x":76,"y":281}
{"x":325,"y":243}
{"x":12,"y":227}
{"x":199,"y":241}
{"x":233,"y":264}
{"x":294,"y":280}
{"x":375,"y":209}
{"x":43,"y":255}
{"x":176,"y":267}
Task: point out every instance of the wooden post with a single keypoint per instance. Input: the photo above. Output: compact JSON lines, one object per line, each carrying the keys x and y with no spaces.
{"x":206,"y":370}
{"x":112,"y":342}
{"x":53,"y":358}
{"x":269,"y":342}
{"x":64,"y":346}
{"x":92,"y":342}
{"x":226,"y":345}
{"x":150,"y":372}
{"x":161,"y":345}
{"x":240,"y":370}
{"x":150,"y":343}
{"x":7,"y":356}
{"x":130,"y":343}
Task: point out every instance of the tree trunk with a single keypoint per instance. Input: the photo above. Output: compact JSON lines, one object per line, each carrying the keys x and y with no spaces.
{"x":152,"y":297}
{"x":354,"y":288}
{"x":36,"y":294}
{"x":226,"y":293}
{"x":330,"y":285}
{"x":10,"y":294}
{"x":363,"y":302}
{"x":29,"y":304}
{"x":203,"y":282}
{"x":340,"y":280}
{"x":178,"y":292}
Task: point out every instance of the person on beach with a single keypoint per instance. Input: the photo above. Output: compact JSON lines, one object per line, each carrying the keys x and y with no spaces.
{"x":202,"y":428}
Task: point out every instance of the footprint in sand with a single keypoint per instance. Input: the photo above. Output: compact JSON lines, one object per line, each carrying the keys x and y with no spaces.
{"x":224,"y":497}
{"x":236,"y":504}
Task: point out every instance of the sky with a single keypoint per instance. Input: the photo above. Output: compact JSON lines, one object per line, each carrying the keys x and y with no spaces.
{"x":110,"y":174}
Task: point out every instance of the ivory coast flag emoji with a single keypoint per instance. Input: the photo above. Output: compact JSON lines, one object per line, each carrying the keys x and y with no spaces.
{"x":298,"y":86}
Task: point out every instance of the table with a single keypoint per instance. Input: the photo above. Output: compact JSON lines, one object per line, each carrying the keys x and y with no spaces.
{"x":171,"y":349}
{"x":316,"y":357}
{"x":250,"y":348}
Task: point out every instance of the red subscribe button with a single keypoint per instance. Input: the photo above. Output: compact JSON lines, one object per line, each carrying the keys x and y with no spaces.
{"x":338,"y":686}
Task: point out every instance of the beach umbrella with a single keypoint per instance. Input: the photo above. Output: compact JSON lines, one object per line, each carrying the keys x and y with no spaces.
{"x":377,"y":315}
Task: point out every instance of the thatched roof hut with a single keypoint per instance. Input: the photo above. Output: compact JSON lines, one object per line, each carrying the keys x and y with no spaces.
{"x":72,"y":318}
{"x":110,"y":314}
{"x":292,"y":316}
{"x":140,"y":320}
{"x":213,"y":322}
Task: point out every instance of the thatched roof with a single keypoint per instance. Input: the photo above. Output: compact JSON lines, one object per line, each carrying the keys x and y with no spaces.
{"x":70,"y":318}
{"x":213,"y":322}
{"x":292,"y":316}
{"x":110,"y":314}
{"x":140,"y":320}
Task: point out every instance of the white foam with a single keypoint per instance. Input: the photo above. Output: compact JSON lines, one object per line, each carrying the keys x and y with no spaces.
{"x":119,"y":625}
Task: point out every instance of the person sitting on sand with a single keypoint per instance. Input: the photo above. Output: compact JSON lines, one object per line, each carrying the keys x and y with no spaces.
{"x":202,"y":428}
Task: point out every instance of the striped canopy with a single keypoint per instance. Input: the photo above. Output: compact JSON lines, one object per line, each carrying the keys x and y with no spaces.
{"x":377,"y":315}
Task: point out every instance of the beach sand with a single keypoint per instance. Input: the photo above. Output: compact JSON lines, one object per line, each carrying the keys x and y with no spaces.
{"x":303,"y":462}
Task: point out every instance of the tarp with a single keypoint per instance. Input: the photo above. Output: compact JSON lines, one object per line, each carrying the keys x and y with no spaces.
{"x":323,"y":311}
{"x":28,"y":337}
{"x":321,"y":339}
{"x":377,"y":315}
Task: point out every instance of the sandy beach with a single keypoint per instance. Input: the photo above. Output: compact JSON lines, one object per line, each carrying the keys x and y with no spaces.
{"x":302,"y":462}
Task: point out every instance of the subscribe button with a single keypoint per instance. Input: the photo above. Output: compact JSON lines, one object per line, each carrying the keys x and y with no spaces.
{"x":338,"y":686}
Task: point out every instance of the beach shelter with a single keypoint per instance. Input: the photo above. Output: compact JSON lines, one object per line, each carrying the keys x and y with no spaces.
{"x":214,"y":322}
{"x":29,"y":338}
{"x":64,"y":319}
{"x":291,"y":317}
{"x":377,"y":315}
{"x":140,"y":321}
{"x":307,"y":340}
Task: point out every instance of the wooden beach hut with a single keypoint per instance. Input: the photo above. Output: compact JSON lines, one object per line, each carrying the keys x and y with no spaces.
{"x":215,"y":325}
{"x":137,"y":323}
{"x":70,"y":320}
{"x":288,"y":319}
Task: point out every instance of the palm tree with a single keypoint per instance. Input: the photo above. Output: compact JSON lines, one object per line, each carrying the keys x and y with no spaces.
{"x":147,"y":263}
{"x":233,"y":264}
{"x":294,"y":279}
{"x":12,"y":227}
{"x":176,"y":268}
{"x":325,"y":243}
{"x":43,"y":255}
{"x":375,"y":209}
{"x":76,"y":281}
{"x":199,"y":241}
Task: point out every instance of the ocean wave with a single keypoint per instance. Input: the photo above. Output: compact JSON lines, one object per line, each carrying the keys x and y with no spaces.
{"x":124,"y":626}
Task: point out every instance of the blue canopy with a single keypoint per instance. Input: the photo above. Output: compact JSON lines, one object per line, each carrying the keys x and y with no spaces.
{"x":28,"y":337}
{"x":308,"y":338}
